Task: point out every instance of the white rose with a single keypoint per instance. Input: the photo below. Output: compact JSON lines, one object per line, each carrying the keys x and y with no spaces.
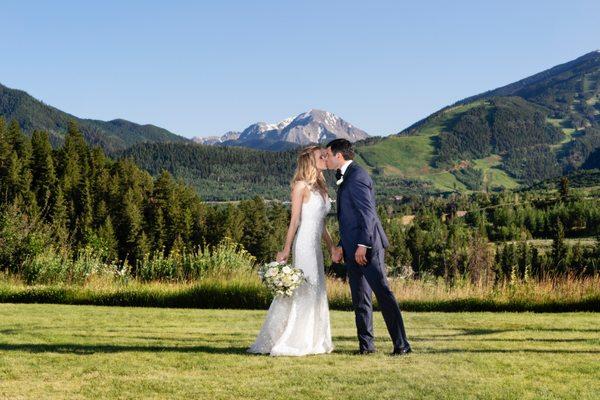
{"x":272,"y":272}
{"x":286,"y":270}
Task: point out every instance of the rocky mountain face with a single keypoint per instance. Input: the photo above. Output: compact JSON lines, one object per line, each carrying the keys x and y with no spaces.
{"x":313,"y":126}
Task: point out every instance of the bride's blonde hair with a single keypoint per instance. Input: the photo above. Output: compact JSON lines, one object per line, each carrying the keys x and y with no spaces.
{"x":307,"y":171}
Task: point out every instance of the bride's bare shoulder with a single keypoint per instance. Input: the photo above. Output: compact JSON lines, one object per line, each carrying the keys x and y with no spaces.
{"x":301,"y":188}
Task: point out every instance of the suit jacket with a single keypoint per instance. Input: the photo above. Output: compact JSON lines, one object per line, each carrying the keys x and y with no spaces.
{"x":357,"y":212}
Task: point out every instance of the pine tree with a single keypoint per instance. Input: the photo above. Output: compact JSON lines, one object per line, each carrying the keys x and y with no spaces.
{"x":416,"y":244}
{"x":5,"y":160}
{"x":234,"y":220}
{"x":17,"y":140}
{"x":163,"y":199}
{"x":141,"y":250}
{"x":398,"y":255}
{"x":131,"y":228}
{"x":107,"y":239}
{"x":159,"y":233}
{"x":257,"y":231}
{"x":279,"y":218}
{"x":74,"y":161}
{"x":42,"y":168}
{"x":59,"y":216}
{"x":12,"y":179}
{"x":101,"y":213}
{"x":83,"y":211}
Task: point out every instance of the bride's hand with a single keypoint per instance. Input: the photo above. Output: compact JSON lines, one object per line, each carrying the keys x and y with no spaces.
{"x":332,"y":251}
{"x":336,"y":254}
{"x":282,"y":256}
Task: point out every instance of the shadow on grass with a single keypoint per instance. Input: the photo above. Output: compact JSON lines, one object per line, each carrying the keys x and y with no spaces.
{"x":71,"y":348}
{"x":509,"y":351}
{"x":105,"y":348}
{"x":457,"y":339}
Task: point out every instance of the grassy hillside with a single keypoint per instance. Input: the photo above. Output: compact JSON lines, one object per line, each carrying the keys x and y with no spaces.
{"x":538,"y":128}
{"x":413,"y":156}
{"x":32,"y":114}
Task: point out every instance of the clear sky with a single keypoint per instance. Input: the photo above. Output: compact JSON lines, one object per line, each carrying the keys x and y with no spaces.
{"x":201,"y":68}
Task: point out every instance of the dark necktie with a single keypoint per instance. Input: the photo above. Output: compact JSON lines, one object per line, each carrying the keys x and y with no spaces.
{"x":338,"y":174}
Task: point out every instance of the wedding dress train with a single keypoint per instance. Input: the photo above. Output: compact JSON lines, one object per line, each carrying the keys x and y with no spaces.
{"x":299,"y":325}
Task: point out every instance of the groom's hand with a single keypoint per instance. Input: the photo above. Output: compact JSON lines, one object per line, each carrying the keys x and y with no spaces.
{"x":361,"y":256}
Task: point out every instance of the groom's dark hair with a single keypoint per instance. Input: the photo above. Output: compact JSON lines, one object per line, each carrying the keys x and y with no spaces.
{"x":343,"y":146}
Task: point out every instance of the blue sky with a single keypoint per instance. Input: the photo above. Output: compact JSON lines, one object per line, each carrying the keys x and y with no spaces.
{"x":201,"y":68}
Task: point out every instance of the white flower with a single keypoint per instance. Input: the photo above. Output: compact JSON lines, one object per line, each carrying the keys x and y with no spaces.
{"x":272,"y":272}
{"x":286,"y":270}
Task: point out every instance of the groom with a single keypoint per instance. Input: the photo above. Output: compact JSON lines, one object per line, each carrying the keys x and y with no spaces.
{"x":362,"y":247}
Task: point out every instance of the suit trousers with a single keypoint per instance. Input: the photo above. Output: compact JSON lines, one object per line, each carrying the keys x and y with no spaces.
{"x":368,"y":279}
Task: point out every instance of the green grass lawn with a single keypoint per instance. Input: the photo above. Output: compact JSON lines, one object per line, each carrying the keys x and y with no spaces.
{"x":58,"y":351}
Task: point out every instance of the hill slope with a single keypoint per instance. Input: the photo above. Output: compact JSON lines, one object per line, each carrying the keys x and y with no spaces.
{"x":32,"y":114}
{"x":537,"y":128}
{"x":217,"y":172}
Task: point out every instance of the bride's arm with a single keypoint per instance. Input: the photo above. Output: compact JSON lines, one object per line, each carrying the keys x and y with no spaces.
{"x":327,"y":238}
{"x":297,"y":199}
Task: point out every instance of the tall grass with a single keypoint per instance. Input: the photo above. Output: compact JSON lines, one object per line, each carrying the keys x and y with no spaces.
{"x":224,"y":276}
{"x":243,"y":290}
{"x":224,"y":261}
{"x":434,"y":294}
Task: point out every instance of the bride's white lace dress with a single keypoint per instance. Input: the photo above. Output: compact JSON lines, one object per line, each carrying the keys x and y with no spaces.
{"x":299,"y":325}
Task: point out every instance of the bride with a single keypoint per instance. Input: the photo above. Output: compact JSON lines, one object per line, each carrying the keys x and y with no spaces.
{"x":299,"y":325}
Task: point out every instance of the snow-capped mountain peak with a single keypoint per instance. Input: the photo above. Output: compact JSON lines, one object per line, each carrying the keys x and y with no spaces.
{"x":312,"y":126}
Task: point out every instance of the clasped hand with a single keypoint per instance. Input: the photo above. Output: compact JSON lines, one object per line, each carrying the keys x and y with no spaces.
{"x":360,"y":256}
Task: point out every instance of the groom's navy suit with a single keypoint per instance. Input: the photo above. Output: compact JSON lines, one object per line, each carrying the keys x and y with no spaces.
{"x":359,"y":224}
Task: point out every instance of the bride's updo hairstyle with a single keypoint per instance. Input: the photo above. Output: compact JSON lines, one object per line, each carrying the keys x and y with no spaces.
{"x":307,"y":171}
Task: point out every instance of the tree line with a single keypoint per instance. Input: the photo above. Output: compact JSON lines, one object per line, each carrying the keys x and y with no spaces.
{"x":75,"y":200}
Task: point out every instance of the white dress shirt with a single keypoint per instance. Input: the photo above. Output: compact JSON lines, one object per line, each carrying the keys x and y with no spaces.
{"x":344,"y":167}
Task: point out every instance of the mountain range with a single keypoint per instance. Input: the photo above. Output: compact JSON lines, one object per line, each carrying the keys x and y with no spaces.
{"x":118,"y":134}
{"x":313,"y":126}
{"x":536,"y":129}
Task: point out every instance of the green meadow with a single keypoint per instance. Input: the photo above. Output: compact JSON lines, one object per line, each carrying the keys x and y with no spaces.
{"x":89,"y":352}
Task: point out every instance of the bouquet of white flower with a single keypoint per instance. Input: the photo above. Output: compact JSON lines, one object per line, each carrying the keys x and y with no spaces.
{"x":281,"y":279}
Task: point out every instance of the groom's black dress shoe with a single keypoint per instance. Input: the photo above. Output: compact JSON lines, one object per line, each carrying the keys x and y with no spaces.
{"x":401,"y":352}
